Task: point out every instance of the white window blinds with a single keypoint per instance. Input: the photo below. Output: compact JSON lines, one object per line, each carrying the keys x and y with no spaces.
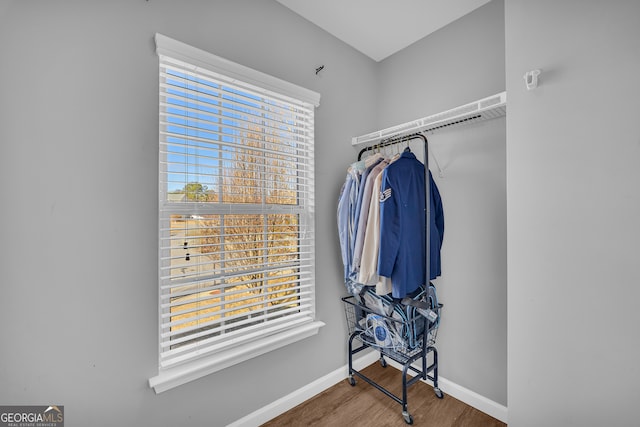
{"x":236,"y":207}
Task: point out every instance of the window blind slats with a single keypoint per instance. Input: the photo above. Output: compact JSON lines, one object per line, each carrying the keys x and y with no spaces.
{"x":214,"y":141}
{"x":210,"y":151}
{"x":191,"y":138}
{"x":204,"y":286}
{"x":181,"y":86}
{"x":236,"y":258}
{"x":181,"y":280}
{"x":242,"y":84}
{"x":203,"y":102}
{"x":232,"y":270}
{"x":186,"y":78}
{"x":287,"y":246}
{"x":186,"y":122}
{"x":189,"y":209}
{"x":211,"y":335}
{"x":287,"y":187}
{"x":290,"y":250}
{"x":233,"y":338}
{"x":205,"y":97}
{"x":210,"y":313}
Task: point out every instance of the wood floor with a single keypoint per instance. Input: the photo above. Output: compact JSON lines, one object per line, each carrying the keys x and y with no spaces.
{"x":363,"y":405}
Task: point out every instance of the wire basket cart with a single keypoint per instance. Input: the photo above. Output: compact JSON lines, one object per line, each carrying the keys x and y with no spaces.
{"x":405,"y":333}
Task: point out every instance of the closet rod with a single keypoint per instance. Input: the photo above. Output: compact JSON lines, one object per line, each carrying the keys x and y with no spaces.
{"x":484,"y":109}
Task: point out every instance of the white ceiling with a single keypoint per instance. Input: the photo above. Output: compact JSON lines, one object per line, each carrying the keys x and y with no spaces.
{"x":379,"y":28}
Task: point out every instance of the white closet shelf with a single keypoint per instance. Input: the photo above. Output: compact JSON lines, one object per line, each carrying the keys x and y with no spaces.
{"x":487,"y":108}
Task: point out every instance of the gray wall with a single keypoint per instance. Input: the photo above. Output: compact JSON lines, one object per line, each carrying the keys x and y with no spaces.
{"x":573,"y":198}
{"x":458,"y":64}
{"x":78,"y":174}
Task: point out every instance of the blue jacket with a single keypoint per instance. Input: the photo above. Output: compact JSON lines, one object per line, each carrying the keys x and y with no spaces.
{"x":402,"y":226}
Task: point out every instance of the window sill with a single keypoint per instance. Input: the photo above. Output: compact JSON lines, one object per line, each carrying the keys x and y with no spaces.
{"x":175,"y":376}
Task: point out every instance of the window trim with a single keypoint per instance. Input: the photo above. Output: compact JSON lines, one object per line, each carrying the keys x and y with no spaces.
{"x":176,"y":375}
{"x":260,"y":82}
{"x":169,"y":378}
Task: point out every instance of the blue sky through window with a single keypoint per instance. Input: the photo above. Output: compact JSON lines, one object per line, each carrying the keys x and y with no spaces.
{"x":198,"y":124}
{"x":210,"y":124}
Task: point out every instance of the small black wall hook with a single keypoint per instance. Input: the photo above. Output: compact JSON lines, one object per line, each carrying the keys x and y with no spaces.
{"x":320,"y":68}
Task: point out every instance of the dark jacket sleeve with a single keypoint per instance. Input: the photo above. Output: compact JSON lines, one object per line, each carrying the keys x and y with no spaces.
{"x":389,"y":227}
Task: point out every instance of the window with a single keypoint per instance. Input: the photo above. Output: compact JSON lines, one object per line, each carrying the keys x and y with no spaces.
{"x":236,"y":214}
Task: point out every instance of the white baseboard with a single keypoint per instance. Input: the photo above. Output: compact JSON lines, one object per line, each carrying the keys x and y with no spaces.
{"x":295,"y":398}
{"x":465,"y":395}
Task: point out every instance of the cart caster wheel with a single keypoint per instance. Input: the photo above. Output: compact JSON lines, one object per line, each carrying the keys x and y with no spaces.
{"x":438,"y":392}
{"x":383,"y":362}
{"x":407,"y":417}
{"x":352,"y":381}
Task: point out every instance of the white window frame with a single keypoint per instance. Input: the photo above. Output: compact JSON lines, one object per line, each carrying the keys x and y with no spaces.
{"x":195,"y":366}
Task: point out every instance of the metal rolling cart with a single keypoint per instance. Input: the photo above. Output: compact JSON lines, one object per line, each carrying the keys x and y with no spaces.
{"x":403,"y":331}
{"x":406,"y":335}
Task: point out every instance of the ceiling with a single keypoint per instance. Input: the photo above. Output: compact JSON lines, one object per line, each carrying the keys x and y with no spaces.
{"x":379,"y":28}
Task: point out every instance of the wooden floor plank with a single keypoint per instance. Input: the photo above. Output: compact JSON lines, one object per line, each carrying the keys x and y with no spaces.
{"x":365,"y":406}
